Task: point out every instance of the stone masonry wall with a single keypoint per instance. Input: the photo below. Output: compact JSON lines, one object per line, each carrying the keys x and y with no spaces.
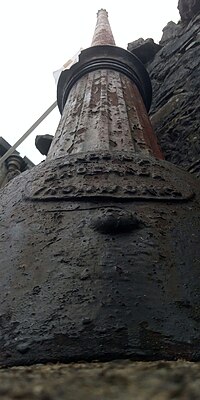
{"x":175,"y":74}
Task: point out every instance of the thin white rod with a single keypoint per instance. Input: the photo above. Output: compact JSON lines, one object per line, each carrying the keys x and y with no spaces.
{"x":28,"y":132}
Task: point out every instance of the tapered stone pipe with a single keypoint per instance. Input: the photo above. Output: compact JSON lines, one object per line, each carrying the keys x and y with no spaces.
{"x":99,"y":244}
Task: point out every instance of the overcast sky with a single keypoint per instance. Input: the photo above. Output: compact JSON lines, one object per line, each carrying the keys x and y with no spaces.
{"x":39,"y":36}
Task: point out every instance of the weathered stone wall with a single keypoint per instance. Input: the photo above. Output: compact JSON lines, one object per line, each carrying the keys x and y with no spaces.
{"x":188,"y":8}
{"x":175,"y":73}
{"x":175,"y":111}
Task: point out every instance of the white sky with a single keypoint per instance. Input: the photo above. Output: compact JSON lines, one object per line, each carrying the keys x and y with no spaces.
{"x":39,"y":36}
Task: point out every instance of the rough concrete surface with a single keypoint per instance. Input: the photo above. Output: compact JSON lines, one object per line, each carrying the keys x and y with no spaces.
{"x":125,"y":380}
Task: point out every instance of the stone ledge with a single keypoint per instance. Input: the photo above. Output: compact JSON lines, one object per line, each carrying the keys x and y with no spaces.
{"x":117,"y":380}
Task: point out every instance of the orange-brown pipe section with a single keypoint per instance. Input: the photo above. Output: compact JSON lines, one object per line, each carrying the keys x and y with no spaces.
{"x":103,"y":33}
{"x":143,"y":133}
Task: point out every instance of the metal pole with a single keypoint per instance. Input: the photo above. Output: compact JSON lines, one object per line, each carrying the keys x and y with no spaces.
{"x":28,"y":132}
